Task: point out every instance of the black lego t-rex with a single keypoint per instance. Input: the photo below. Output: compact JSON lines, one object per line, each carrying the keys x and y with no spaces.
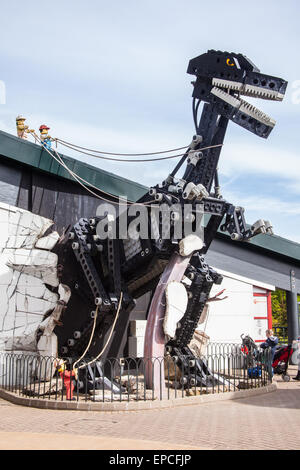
{"x":98,"y":270}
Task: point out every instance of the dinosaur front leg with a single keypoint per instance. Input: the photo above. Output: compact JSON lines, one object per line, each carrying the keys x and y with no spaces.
{"x":155,"y":338}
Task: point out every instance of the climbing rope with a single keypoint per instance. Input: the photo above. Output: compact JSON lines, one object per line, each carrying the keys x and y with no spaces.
{"x":77,"y":177}
{"x":108,"y":339}
{"x":82,"y":181}
{"x":90,"y":340}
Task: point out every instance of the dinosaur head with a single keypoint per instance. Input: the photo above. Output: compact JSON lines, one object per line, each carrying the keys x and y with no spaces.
{"x":223,"y":77}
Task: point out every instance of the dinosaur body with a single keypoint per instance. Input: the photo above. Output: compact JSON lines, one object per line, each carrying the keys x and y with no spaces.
{"x":134,"y":266}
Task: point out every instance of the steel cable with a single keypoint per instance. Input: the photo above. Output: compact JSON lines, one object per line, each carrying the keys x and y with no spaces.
{"x":81,"y":180}
{"x":133,"y":160}
{"x":121,"y":154}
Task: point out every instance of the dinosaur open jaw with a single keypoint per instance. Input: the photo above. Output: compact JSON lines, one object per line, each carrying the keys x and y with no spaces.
{"x":260,"y":86}
{"x":243,"y":108}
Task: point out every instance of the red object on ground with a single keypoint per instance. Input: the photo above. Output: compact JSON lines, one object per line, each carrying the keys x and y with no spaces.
{"x":283,"y":357}
{"x":67,"y":378}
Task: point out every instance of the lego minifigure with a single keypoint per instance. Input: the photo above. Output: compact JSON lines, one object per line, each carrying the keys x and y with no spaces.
{"x":45,"y":137}
{"x":22,"y":129}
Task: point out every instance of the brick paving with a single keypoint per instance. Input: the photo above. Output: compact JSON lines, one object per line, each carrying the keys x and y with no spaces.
{"x":270,"y":421}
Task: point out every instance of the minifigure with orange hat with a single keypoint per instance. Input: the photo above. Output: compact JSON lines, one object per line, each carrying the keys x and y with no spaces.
{"x":22,"y":128}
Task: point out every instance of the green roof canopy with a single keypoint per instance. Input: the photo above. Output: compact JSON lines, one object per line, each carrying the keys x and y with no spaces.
{"x":35,"y":156}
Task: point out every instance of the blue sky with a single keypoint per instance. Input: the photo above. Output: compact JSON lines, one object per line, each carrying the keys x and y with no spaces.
{"x":112,"y":76}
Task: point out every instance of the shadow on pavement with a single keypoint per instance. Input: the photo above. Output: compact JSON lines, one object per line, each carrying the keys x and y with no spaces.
{"x":286,"y":396}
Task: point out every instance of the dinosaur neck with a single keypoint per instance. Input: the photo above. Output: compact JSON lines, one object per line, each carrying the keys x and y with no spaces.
{"x":213,"y":128}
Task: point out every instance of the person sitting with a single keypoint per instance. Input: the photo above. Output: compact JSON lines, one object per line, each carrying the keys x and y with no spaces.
{"x":271,"y":342}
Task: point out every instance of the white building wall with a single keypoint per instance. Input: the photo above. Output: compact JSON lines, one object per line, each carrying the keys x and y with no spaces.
{"x":226,"y":320}
{"x":229,"y":318}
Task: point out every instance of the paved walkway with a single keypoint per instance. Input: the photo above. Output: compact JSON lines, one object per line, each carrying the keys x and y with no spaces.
{"x":270,"y":421}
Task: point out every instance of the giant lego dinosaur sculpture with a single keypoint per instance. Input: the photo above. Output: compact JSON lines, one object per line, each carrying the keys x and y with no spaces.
{"x":160,"y":263}
{"x":107,"y":274}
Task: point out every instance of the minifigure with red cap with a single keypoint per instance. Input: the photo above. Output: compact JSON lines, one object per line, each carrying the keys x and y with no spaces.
{"x":45,"y":137}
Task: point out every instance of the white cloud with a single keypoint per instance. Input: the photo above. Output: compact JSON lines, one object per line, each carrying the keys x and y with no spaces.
{"x":284,"y":215}
{"x":261,"y":159}
{"x":273,"y":205}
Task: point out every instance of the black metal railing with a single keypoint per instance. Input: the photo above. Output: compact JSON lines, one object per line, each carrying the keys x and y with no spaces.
{"x":224,"y":368}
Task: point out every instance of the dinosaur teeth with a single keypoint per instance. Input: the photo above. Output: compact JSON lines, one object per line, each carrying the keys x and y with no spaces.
{"x":252,"y":111}
{"x":248,"y":90}
{"x":252,"y":90}
{"x":244,"y":107}
{"x":235,"y":102}
{"x":229,"y":84}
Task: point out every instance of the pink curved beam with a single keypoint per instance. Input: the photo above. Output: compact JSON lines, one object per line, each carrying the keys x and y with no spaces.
{"x":154,"y":336}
